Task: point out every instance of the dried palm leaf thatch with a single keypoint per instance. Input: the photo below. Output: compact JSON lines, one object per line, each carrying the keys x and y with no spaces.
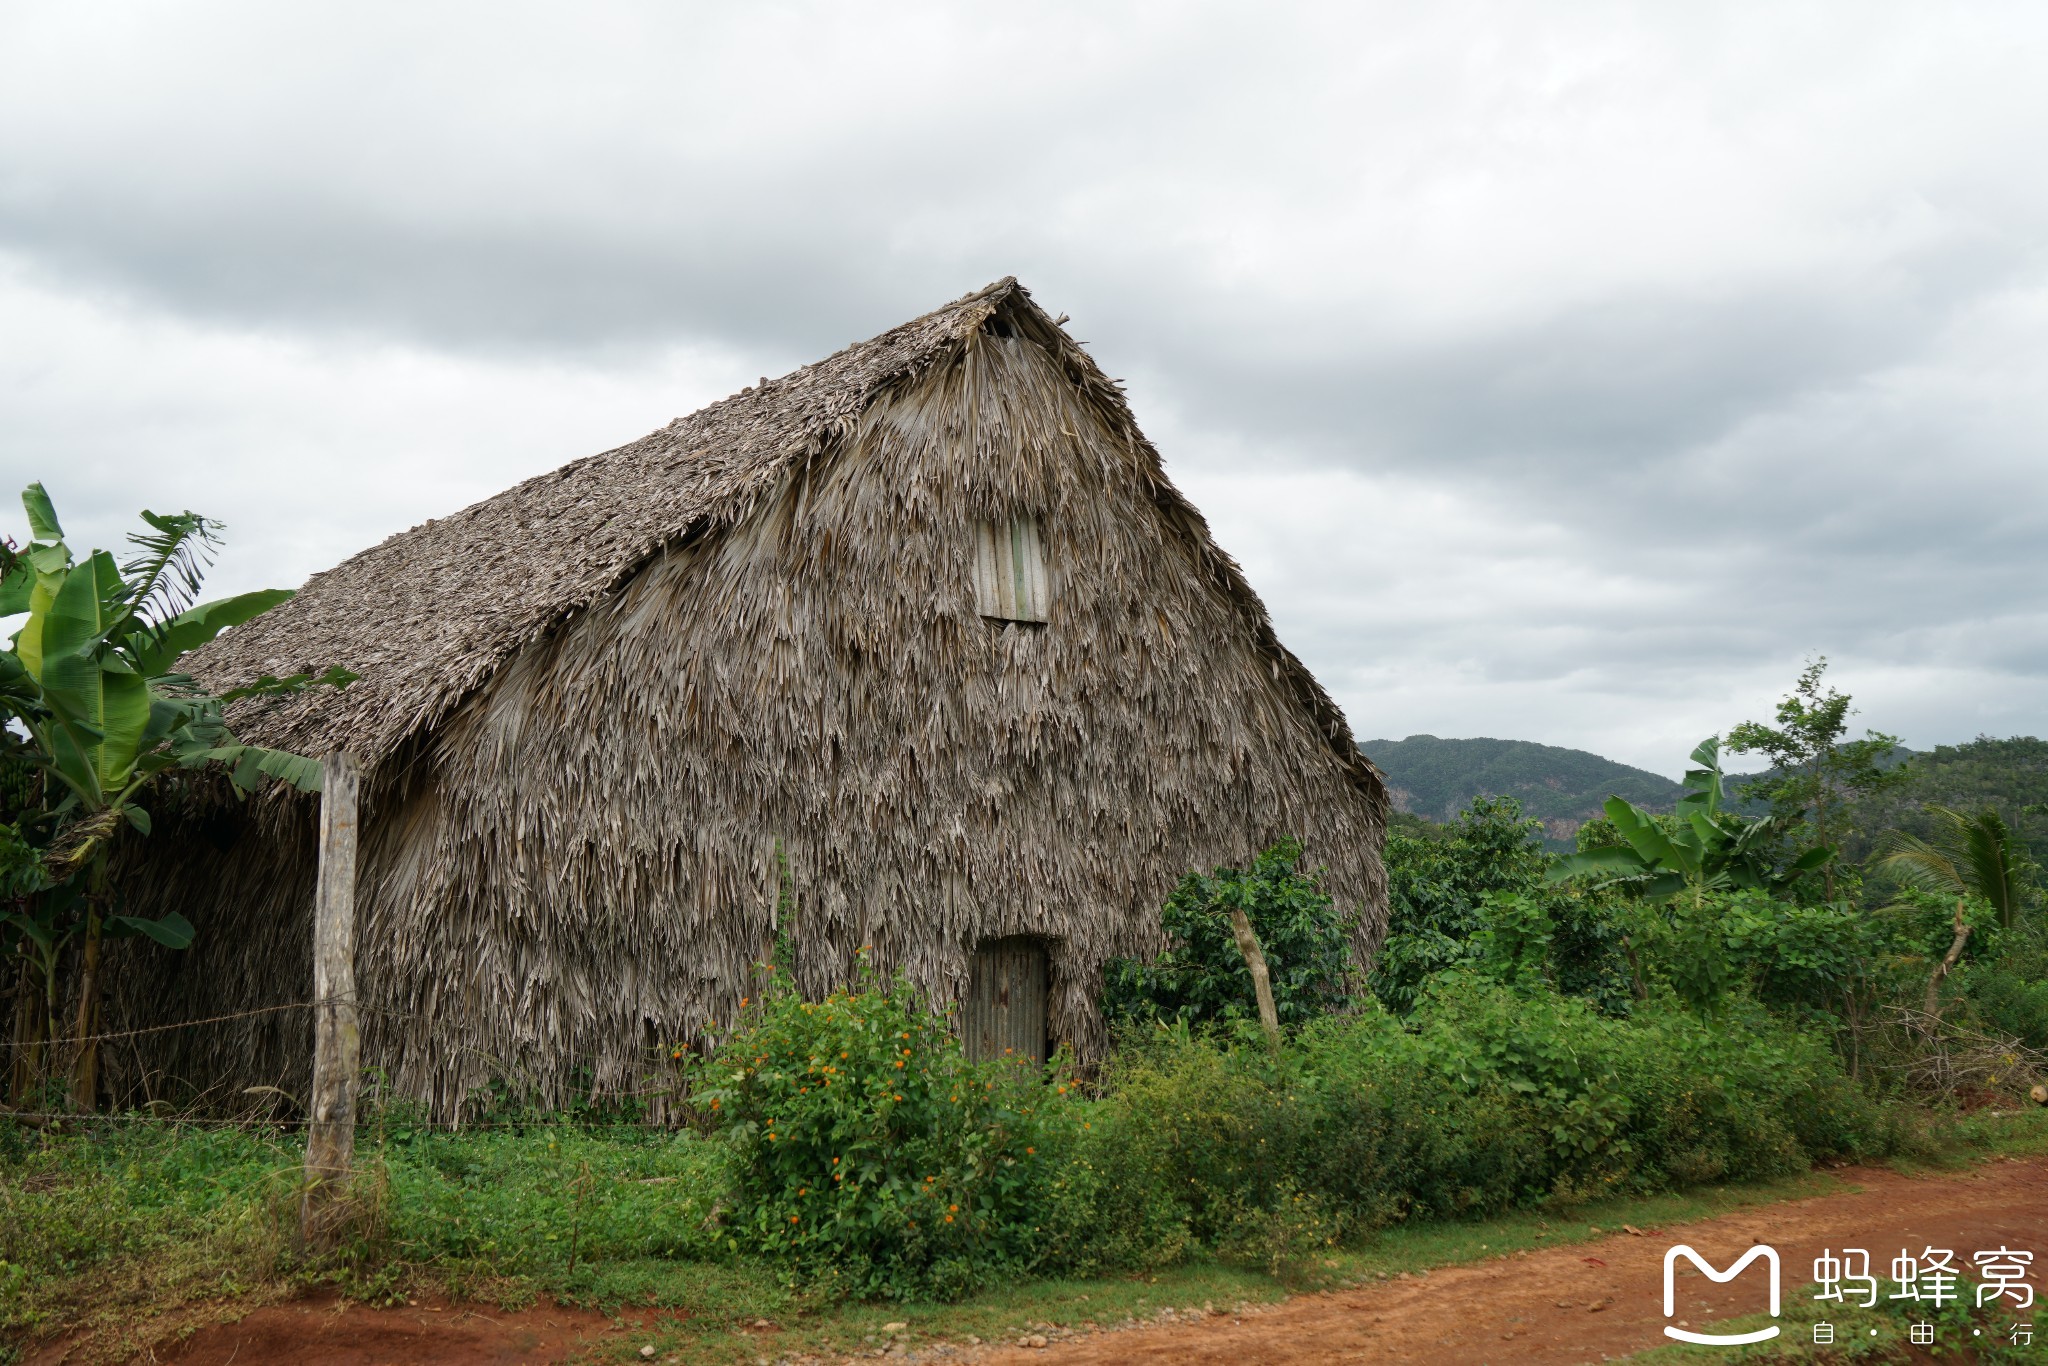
{"x":624,"y":722}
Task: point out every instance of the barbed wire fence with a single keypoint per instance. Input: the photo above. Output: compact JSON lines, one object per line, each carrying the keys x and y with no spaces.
{"x":384,"y":1110}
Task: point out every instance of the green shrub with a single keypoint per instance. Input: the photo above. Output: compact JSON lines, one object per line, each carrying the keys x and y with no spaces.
{"x":1486,"y":1098}
{"x":867,"y":1149}
{"x":1444,"y":886}
{"x":2009,"y":990}
{"x":1201,"y":975}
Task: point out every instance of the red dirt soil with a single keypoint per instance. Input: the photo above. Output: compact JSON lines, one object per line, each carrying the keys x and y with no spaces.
{"x":326,"y":1331}
{"x":1604,"y":1299}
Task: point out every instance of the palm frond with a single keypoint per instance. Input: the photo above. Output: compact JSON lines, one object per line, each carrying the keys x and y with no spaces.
{"x":1925,"y":866}
{"x":164,"y":579}
{"x":1969,"y":854}
{"x":1992,"y":871}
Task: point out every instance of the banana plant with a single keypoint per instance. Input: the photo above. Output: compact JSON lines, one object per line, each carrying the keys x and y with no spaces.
{"x":1703,"y":848}
{"x":90,"y":679}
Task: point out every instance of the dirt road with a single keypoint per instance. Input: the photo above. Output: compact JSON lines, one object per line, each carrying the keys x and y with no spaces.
{"x":1604,"y":1299}
{"x":1564,"y":1305}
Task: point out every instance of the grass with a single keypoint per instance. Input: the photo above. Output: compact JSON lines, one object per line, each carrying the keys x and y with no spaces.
{"x":122,"y":1232}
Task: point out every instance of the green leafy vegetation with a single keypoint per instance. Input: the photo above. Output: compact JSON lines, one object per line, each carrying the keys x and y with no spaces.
{"x":1201,"y":976}
{"x":1816,"y":772}
{"x":866,"y":1149}
{"x":95,"y":715}
{"x":1457,"y":892}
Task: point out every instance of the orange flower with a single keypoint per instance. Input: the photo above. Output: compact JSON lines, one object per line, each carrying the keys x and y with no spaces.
{"x":949,"y":1218}
{"x":953,"y":1209}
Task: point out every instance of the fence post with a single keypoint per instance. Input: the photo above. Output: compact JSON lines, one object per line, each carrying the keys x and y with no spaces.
{"x":337,"y":1040}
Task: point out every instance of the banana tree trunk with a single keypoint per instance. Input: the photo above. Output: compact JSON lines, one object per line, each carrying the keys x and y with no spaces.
{"x":30,"y":1035}
{"x":85,"y":1069}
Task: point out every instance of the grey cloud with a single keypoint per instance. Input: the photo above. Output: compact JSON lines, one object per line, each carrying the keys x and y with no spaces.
{"x":1552,"y":373}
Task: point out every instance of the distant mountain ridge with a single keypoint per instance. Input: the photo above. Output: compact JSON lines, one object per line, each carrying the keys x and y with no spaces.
{"x":1563,"y":788}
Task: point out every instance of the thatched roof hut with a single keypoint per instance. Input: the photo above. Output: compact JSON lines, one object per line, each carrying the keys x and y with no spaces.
{"x":915,"y":648}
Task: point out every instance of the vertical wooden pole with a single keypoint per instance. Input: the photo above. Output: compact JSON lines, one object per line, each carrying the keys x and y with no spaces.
{"x":1262,"y":980}
{"x":337,"y":1040}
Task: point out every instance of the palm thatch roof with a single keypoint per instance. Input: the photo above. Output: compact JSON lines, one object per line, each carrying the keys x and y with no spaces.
{"x":427,"y":616}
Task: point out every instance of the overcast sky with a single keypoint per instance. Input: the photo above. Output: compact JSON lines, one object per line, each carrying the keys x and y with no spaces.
{"x":1562,"y":372}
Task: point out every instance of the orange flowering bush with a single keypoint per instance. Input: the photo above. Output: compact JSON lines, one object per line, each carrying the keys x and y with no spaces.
{"x":868,"y":1149}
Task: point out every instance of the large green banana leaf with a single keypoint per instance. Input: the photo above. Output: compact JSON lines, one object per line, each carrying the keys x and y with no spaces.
{"x":156,"y":651}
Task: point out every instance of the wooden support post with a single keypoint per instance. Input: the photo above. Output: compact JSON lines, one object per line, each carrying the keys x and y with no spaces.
{"x":337,"y":1039}
{"x":1262,"y":980}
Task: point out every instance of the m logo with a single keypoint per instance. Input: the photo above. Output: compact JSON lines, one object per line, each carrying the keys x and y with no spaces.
{"x":1671,"y":1257}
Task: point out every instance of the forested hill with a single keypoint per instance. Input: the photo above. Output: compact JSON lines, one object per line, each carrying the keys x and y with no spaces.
{"x":1563,"y":788}
{"x":2007,"y":775}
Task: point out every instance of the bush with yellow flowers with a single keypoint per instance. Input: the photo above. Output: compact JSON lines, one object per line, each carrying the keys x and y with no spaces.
{"x":868,"y":1150}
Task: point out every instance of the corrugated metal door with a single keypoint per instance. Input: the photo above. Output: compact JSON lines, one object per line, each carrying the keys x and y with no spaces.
{"x":1006,"y":1000}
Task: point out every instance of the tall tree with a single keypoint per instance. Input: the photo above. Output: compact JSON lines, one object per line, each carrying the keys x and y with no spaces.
{"x":1815,"y":773}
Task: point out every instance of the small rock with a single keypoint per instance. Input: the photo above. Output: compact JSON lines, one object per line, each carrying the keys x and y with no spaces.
{"x":973,"y":1341}
{"x":894,"y":1327}
{"x":647,"y":1352}
{"x":1035,"y":1340}
{"x":1631,"y":1228}
{"x":760,"y":1323}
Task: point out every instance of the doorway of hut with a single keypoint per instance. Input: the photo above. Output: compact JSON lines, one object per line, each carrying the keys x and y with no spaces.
{"x":1007,"y":991}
